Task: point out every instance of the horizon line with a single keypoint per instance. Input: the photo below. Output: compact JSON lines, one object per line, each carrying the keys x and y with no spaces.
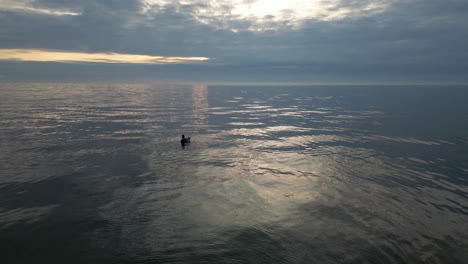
{"x":220,"y":83}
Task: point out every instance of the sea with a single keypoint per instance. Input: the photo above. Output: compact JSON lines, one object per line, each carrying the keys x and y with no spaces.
{"x":96,"y":173}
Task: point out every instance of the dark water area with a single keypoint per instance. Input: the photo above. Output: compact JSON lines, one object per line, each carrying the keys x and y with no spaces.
{"x":95,"y":173}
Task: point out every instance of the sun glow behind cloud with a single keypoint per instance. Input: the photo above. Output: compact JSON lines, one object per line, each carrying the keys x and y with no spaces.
{"x":81,"y":57}
{"x":259,"y":15}
{"x":267,"y":14}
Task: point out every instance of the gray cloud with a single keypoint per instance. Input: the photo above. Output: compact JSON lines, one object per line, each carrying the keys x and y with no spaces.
{"x":410,"y":38}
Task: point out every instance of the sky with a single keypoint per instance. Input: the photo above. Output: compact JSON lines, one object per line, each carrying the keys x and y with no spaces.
{"x":236,"y":41}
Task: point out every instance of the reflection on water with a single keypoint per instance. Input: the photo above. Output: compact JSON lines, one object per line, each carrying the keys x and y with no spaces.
{"x":199,"y":104}
{"x":96,"y":173}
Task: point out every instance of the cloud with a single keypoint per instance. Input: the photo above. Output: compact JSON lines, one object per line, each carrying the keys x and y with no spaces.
{"x":28,"y":6}
{"x":76,"y":57}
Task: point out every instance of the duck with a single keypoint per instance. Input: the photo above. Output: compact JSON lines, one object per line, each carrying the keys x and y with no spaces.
{"x":185,"y":140}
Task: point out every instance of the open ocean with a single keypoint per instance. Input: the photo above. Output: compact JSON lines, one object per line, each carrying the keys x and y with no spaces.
{"x":95,"y":173}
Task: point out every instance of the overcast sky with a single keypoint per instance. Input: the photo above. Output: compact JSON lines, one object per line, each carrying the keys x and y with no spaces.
{"x":301,"y":41}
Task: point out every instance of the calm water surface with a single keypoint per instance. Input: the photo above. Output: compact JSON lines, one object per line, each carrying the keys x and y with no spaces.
{"x":94,"y":173}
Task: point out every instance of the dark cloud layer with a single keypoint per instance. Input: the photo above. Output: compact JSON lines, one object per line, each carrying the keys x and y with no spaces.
{"x":411,"y":40}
